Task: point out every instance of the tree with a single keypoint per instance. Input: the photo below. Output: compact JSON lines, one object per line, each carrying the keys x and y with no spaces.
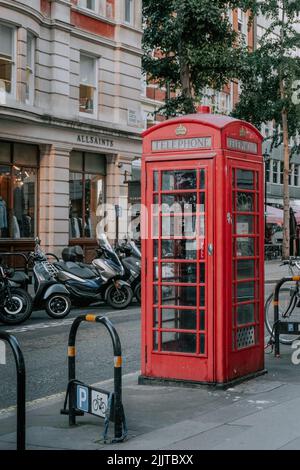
{"x":271,"y":88}
{"x":190,"y":45}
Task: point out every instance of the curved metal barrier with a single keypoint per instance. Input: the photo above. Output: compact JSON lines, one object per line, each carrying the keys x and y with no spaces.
{"x":86,"y":399}
{"x":281,"y":327}
{"x":21,"y":388}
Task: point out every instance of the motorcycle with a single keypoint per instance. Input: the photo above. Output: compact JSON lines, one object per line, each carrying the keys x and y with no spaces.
{"x":100,"y":281}
{"x":130,"y":257}
{"x":49,"y":292}
{"x":15,"y":303}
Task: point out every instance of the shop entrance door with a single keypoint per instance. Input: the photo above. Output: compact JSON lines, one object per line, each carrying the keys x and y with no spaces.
{"x":179,"y":274}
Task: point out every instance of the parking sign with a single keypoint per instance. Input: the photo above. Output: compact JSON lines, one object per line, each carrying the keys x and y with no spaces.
{"x":83,"y":398}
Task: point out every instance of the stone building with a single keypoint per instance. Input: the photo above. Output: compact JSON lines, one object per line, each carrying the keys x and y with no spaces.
{"x":70,"y":118}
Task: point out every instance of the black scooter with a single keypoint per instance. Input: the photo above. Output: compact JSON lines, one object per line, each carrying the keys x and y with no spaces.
{"x":15,"y":302}
{"x":130,"y":257}
{"x":88,"y":284}
{"x":49,"y":292}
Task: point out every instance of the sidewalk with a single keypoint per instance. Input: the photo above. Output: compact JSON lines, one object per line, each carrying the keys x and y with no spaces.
{"x":263,"y":413}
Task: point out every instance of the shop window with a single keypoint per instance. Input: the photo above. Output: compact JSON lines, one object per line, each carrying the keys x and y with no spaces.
{"x":18,"y":190}
{"x":30,"y":68}
{"x":87,"y":193}
{"x":7,"y":59}
{"x":88,"y":82}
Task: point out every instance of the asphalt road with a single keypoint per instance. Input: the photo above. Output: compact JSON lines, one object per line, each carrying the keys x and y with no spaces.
{"x":44,"y":344}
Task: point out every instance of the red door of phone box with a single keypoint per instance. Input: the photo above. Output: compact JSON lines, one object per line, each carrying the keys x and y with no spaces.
{"x":202,"y":250}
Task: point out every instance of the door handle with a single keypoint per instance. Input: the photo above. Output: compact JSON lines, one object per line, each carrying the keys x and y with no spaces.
{"x":210,"y":249}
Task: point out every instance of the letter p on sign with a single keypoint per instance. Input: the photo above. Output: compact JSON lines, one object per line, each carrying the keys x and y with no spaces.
{"x":2,"y":353}
{"x":82,"y":398}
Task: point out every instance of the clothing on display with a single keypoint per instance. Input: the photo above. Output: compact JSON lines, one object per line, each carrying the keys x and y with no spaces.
{"x":3,"y":214}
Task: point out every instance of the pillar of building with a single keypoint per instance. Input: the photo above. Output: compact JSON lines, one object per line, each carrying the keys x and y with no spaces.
{"x":54,"y":197}
{"x":21,"y":64}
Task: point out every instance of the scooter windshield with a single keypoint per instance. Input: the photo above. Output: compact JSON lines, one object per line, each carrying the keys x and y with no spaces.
{"x":109,"y":251}
{"x":104,"y":243}
{"x":135,"y":250}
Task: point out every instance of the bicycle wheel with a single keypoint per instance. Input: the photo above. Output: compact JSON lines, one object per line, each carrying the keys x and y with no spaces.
{"x":287,"y":303}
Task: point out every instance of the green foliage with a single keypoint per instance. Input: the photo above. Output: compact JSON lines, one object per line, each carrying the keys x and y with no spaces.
{"x":195,"y":47}
{"x":275,"y":61}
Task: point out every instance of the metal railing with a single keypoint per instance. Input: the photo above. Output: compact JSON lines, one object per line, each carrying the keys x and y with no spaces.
{"x":21,"y":388}
{"x":117,"y":414}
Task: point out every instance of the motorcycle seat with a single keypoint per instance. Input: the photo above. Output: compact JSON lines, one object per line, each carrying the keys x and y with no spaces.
{"x":74,"y":268}
{"x":20,"y":277}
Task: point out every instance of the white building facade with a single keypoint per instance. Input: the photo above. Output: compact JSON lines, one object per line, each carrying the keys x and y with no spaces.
{"x":70,"y":118}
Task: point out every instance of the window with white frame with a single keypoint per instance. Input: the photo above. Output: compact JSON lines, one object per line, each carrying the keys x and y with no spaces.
{"x":7,"y":58}
{"x":88,"y":84}
{"x":102,"y":7}
{"x":30,"y":65}
{"x":296,"y":175}
{"x":128,"y":11}
{"x":275,"y":171}
{"x":242,"y":22}
{"x":88,"y":4}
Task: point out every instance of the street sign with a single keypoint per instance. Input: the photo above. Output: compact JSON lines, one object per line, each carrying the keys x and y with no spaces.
{"x":92,"y":400}
{"x":83,"y":398}
{"x":2,"y":353}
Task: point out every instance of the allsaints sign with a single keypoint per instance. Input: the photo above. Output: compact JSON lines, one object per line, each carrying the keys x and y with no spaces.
{"x":95,"y":140}
{"x":194,"y":143}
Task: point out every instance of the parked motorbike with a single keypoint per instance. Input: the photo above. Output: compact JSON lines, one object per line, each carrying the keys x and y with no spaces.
{"x":15,"y":303}
{"x":89,"y":284}
{"x":130,"y":257}
{"x":49,"y":292}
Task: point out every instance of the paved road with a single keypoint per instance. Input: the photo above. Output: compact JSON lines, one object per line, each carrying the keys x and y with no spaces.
{"x":44,"y":345}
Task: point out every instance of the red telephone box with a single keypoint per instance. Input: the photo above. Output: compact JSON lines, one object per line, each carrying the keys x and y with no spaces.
{"x":203,"y":250}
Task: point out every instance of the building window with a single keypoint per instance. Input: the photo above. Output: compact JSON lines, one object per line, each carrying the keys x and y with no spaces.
{"x":89,"y":4}
{"x":87,"y":193}
{"x":275,"y":171}
{"x":242,"y":22}
{"x":7,"y":59}
{"x":102,"y":7}
{"x":296,"y":175}
{"x":88,"y":82}
{"x":128,"y":13}
{"x":30,"y":65}
{"x":267,"y":170}
{"x":18,"y":190}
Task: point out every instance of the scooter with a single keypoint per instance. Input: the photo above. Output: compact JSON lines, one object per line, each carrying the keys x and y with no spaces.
{"x":49,"y":292}
{"x":100,"y":281}
{"x":130,"y":257}
{"x":15,"y":303}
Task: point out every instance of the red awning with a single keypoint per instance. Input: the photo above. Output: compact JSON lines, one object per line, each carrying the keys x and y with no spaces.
{"x":274,"y":215}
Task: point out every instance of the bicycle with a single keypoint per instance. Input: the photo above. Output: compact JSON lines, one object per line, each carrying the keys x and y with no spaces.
{"x":99,"y":405}
{"x":289,"y":304}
